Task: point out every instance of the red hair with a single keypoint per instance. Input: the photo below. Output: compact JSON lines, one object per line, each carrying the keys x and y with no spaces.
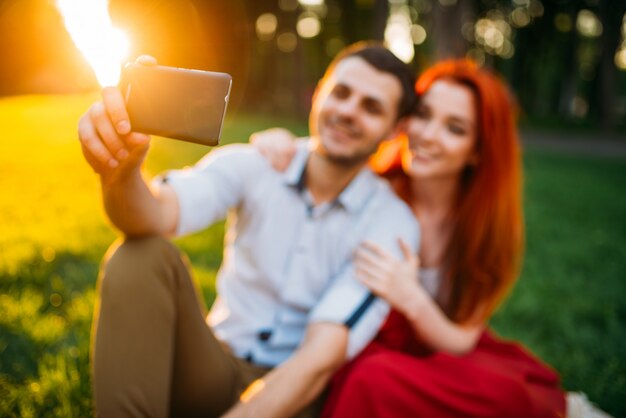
{"x":484,"y":253}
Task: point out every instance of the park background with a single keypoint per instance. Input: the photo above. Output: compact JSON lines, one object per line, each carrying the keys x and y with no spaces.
{"x":564,"y":59}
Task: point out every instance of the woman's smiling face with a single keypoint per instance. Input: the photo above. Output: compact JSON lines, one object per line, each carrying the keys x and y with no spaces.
{"x":442,"y":133}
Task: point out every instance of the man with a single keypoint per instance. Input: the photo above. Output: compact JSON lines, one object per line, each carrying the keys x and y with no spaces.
{"x":289,"y":311}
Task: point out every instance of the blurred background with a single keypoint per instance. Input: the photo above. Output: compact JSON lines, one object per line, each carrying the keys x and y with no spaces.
{"x":565,"y":60}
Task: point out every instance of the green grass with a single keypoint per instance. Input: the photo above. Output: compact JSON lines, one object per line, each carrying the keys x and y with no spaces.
{"x":567,"y":306}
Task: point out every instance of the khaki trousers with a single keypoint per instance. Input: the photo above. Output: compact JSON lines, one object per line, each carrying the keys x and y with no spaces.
{"x":153,"y":353}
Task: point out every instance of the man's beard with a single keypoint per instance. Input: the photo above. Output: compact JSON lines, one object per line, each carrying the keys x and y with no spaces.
{"x":357,"y":158}
{"x":344,"y":160}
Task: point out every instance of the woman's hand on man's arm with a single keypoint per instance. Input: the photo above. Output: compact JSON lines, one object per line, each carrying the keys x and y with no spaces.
{"x":397,"y":282}
{"x":277,"y":145}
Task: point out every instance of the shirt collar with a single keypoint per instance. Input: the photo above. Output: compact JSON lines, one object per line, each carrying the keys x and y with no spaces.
{"x":352,"y":198}
{"x":294,"y":176}
{"x":360,"y":189}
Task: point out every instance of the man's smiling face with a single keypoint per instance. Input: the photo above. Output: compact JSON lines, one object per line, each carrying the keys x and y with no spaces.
{"x":354,"y":109}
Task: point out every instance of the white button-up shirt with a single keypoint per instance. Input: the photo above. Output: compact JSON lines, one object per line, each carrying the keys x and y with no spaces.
{"x":288,"y":263}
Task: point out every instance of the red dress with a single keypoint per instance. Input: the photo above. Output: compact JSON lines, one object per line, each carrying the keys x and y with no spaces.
{"x":395,"y":377}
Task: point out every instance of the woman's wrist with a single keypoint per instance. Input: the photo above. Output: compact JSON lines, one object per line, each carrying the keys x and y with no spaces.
{"x":414,"y":303}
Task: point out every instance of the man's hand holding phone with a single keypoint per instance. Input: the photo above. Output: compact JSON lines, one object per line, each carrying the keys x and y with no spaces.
{"x":183,"y":104}
{"x":107,"y":140}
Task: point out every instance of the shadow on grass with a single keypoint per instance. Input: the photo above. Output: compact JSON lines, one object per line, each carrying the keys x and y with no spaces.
{"x":46,"y":311}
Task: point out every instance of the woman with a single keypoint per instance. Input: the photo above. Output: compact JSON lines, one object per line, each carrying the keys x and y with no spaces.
{"x":458,"y":168}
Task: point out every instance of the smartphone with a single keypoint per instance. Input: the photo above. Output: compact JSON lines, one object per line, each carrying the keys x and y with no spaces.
{"x":177,"y":103}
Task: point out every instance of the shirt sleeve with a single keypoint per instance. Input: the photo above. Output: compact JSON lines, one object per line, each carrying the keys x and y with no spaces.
{"x":215,"y":184}
{"x":348,"y":301}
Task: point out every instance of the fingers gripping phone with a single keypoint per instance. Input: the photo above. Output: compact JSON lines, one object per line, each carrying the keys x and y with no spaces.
{"x":178,"y":103}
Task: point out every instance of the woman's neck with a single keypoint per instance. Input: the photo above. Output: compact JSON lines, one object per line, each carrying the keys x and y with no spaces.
{"x":433,"y":197}
{"x":432,"y":202}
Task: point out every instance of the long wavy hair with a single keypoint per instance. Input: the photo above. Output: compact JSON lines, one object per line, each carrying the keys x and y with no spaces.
{"x":483,"y":256}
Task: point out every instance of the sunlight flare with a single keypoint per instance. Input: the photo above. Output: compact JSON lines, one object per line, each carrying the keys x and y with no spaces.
{"x":398,"y":32}
{"x":103,"y":46}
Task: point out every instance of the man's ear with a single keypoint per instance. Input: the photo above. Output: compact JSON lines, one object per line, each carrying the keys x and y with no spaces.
{"x":318,"y":88}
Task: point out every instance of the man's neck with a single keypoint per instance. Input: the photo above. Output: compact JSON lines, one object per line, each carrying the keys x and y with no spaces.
{"x":326,"y":179}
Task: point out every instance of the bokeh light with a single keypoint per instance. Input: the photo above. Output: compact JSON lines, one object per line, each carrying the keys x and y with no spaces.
{"x":563,"y":22}
{"x":418,"y":34}
{"x":266,"y":25}
{"x":309,"y":25}
{"x":620,"y":55}
{"x":311,"y":2}
{"x":493,"y":34}
{"x":477,"y":55}
{"x":467,"y":30}
{"x":287,"y":41}
{"x":334,"y":45}
{"x":535,"y":8}
{"x":588,"y":24}
{"x":508,"y":50}
{"x":520,"y":17}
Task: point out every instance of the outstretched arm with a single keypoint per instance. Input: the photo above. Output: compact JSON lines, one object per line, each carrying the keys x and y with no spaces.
{"x":296,"y":383}
{"x":397,"y":282}
{"x":116,"y":154}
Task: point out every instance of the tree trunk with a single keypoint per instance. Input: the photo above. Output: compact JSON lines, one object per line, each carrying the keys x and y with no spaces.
{"x":446,"y":25}
{"x":381,"y":14}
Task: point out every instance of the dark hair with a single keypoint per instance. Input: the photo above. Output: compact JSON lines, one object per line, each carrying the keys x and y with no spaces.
{"x":379,"y":57}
